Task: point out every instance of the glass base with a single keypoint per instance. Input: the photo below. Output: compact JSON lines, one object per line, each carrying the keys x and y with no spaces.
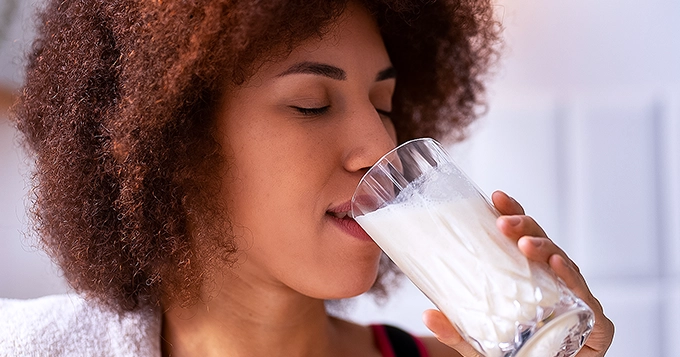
{"x":561,"y":337}
{"x":558,"y":331}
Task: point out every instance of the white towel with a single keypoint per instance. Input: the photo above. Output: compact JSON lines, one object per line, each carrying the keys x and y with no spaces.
{"x":68,"y":325}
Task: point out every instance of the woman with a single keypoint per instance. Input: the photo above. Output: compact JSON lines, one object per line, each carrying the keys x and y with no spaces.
{"x":194,"y":161}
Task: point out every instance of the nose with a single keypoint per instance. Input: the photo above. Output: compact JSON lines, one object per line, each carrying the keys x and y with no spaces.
{"x":371,"y":136}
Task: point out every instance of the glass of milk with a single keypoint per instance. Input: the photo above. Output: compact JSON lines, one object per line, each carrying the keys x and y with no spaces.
{"x":440,"y":230}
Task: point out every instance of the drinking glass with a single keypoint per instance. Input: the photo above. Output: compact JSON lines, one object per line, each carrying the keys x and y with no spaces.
{"x":440,"y":230}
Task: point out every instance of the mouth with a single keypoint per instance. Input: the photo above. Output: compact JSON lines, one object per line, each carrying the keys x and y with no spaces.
{"x":341,"y":216}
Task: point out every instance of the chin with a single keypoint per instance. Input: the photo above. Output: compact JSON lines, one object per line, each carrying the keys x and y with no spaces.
{"x":348,"y":288}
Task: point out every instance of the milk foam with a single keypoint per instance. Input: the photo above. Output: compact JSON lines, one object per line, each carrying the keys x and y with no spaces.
{"x":457,"y":256}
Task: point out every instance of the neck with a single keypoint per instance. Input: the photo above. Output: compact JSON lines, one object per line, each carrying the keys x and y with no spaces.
{"x":247,"y":320}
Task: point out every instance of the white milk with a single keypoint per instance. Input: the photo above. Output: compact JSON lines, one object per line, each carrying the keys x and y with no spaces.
{"x":474,"y":274}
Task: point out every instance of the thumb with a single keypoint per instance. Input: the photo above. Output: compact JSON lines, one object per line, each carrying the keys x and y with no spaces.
{"x":447,"y":334}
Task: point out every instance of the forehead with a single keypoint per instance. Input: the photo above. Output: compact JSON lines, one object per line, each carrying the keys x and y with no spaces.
{"x":352,"y":41}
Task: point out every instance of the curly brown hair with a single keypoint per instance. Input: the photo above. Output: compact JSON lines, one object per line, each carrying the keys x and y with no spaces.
{"x":118,"y":108}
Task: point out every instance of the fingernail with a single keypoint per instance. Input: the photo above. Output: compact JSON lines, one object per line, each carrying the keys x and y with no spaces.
{"x":513,"y":220}
{"x":508,"y":196}
{"x":563,"y":261}
{"x":536,"y":242}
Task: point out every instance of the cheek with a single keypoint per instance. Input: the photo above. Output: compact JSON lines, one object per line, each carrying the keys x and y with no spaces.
{"x":267,"y":194}
{"x":275,"y":227}
{"x":274,"y":192}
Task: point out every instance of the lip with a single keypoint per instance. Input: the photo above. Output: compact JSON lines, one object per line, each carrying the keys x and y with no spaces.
{"x":347,"y":224}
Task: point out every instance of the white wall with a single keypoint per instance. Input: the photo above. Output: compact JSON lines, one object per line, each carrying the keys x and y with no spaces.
{"x":584,"y":130}
{"x":25,"y":271}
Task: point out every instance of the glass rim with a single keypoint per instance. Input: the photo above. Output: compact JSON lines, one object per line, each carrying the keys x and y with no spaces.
{"x":382,"y":158}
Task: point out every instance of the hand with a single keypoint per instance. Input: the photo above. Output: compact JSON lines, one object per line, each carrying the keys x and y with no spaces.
{"x":534,"y":244}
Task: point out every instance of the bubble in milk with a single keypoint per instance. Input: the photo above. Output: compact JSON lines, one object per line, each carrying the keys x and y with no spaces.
{"x":441,"y":183}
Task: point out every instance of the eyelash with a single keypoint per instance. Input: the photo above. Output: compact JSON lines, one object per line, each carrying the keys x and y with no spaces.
{"x":312,"y":111}
{"x":385,"y":113}
{"x":322,"y":110}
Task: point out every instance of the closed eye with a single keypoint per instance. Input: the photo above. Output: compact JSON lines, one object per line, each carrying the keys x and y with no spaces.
{"x":384,"y":113}
{"x":311,"y":111}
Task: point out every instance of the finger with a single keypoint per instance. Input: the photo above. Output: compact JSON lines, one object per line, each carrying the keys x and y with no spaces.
{"x":441,"y":327}
{"x":505,"y":204}
{"x":566,"y":270}
{"x":543,"y":250}
{"x":518,"y":226}
{"x":603,"y":332}
{"x":539,"y":249}
{"x":604,"y":328}
{"x":446,"y":333}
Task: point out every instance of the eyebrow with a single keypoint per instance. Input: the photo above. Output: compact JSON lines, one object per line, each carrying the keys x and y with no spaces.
{"x":387,"y":73}
{"x":332,"y":72}
{"x":316,"y":68}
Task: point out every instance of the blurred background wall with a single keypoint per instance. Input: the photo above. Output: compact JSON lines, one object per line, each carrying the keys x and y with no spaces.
{"x":24,"y":270}
{"x":583,"y":128}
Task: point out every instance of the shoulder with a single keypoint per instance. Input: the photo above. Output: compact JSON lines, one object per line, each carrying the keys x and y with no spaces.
{"x":68,"y":325}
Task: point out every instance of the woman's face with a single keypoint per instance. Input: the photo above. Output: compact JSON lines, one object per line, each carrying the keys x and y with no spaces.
{"x":298,"y":136}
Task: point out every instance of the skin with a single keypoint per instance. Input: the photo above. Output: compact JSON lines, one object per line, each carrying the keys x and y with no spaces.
{"x":298,"y":136}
